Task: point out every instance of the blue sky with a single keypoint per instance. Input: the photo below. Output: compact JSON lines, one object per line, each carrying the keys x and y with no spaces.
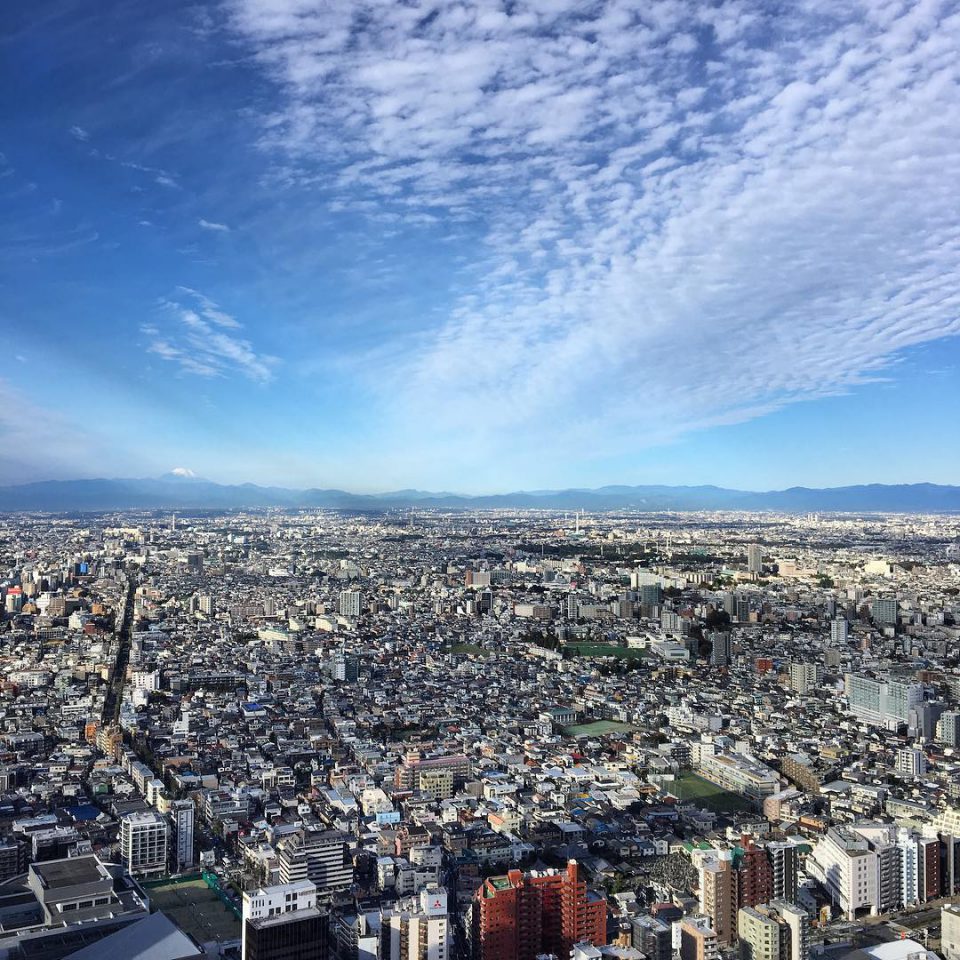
{"x":481,"y":246}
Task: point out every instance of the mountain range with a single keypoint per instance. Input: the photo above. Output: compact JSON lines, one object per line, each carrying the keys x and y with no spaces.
{"x":180,"y":492}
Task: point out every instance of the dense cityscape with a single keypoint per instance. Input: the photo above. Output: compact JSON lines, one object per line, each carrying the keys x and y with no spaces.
{"x":428,"y":735}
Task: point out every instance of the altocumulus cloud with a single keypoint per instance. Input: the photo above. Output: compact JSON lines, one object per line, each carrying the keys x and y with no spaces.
{"x":694,"y":213}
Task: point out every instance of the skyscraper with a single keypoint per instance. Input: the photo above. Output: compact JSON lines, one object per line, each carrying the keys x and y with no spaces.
{"x":755,"y":558}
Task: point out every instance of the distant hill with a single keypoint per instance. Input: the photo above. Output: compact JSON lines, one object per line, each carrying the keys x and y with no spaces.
{"x":173,"y":492}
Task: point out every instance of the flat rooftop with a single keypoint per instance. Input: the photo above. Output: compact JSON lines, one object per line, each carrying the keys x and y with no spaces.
{"x":69,"y":873}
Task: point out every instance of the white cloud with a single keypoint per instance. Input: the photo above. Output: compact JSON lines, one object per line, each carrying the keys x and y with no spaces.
{"x":182,"y":472}
{"x":216,"y":227}
{"x":195,"y":340}
{"x":78,"y":133}
{"x":695,"y":214}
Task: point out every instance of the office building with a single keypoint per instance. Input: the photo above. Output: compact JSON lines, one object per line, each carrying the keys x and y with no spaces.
{"x":68,"y":905}
{"x":284,"y":922}
{"x":754,"y":558}
{"x":522,"y":915}
{"x":721,"y":653}
{"x":143,"y":843}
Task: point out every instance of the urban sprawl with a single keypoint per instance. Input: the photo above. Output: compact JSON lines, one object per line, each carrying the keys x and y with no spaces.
{"x":427,"y":735}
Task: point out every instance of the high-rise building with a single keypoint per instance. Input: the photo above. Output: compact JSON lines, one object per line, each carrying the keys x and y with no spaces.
{"x":805,"y":677}
{"x":773,"y":931}
{"x":755,"y":558}
{"x":719,"y":897}
{"x":143,"y":843}
{"x":839,"y":632}
{"x":784,"y":862}
{"x":283,"y":922}
{"x":730,"y":603}
{"x":650,"y":594}
{"x":929,"y":873}
{"x":755,"y":880}
{"x":652,"y":937}
{"x":883,"y":703}
{"x":911,"y":762}
{"x":349,"y":603}
{"x":182,"y":814}
{"x":523,"y":915}
{"x":884,"y":610}
{"x":205,"y":604}
{"x":416,"y":929}
{"x":721,"y":653}
{"x":320,"y":856}
{"x":950,"y":931}
{"x":948,"y":729}
{"x":698,"y":940}
{"x":845,"y":864}
{"x":345,"y":668}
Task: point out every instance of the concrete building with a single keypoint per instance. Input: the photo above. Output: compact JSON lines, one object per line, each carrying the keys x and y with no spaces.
{"x":416,"y":929}
{"x":143,"y":843}
{"x":805,"y":677}
{"x":845,"y":864}
{"x":882,"y":703}
{"x":698,"y":940}
{"x":911,"y":762}
{"x":773,"y":931}
{"x":320,"y":856}
{"x":182,"y":816}
{"x":522,"y":915}
{"x":283,"y":922}
{"x":719,"y":896}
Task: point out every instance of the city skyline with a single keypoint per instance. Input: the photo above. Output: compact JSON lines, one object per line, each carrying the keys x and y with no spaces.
{"x":482,"y":247}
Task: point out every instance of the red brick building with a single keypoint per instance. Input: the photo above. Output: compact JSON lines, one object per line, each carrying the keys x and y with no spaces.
{"x":522,"y":915}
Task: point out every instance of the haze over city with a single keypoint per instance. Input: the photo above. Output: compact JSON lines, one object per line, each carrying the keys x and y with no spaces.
{"x":480,"y":247}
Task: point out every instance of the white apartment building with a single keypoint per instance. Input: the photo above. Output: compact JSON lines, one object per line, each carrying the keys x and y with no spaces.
{"x":143,"y":843}
{"x":848,"y":869}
